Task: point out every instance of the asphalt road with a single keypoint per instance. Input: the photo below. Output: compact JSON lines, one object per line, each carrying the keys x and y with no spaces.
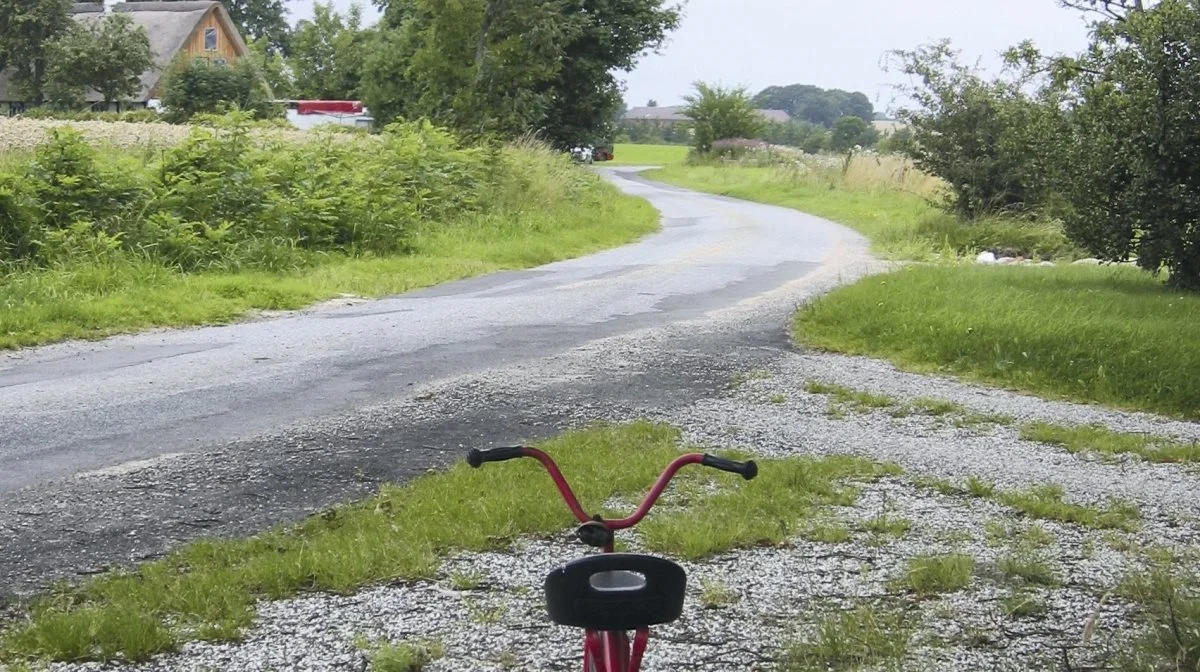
{"x":117,"y":451}
{"x":76,"y":408}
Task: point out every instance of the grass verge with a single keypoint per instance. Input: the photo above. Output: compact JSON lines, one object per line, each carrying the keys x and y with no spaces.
{"x":207,"y":589}
{"x":94,"y":299}
{"x":883,"y":198}
{"x":1110,"y":336}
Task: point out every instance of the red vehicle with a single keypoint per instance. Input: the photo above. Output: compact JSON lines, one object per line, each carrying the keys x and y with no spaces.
{"x":610,"y":594}
{"x":602,"y":154}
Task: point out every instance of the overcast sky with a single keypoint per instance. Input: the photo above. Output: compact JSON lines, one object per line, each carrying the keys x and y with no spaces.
{"x":832,"y":44}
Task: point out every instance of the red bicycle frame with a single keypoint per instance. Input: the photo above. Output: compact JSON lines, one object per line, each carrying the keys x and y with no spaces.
{"x":612,"y":651}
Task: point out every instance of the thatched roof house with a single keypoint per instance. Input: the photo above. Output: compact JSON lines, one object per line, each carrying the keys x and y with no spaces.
{"x":199,"y":28}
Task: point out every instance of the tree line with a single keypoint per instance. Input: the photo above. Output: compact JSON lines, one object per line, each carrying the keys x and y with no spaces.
{"x":483,"y":68}
{"x":821,"y":119}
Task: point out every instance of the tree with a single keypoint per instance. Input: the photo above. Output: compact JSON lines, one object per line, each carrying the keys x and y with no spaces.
{"x":108,"y":55}
{"x":851,"y":132}
{"x":816,"y":105}
{"x":1110,"y":9}
{"x":990,"y":140}
{"x":652,"y":103}
{"x":1134,"y":183}
{"x":274,"y":68}
{"x":192,"y":87}
{"x":26,"y":26}
{"x":720,"y":113}
{"x":511,"y":66}
{"x":327,"y":54}
{"x":261,"y":19}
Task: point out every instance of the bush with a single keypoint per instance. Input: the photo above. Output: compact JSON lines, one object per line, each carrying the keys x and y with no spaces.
{"x":851,"y":132}
{"x":989,"y":140}
{"x":226,"y":198}
{"x":719,"y":113}
{"x":192,"y":87}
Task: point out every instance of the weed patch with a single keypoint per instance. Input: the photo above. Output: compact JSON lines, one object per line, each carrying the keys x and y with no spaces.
{"x":845,"y":399}
{"x":1103,"y":441}
{"x":716,"y":594}
{"x":769,"y":510}
{"x":1170,"y":618}
{"x":1028,"y":568}
{"x":1046,"y":502}
{"x":934,"y":574}
{"x":405,"y":657}
{"x":861,"y":638}
{"x":1024,"y":604}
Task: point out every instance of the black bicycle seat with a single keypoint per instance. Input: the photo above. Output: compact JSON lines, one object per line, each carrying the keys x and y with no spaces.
{"x":616,"y":591}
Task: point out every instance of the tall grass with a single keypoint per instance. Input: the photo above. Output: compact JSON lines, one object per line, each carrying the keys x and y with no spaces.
{"x":1112,"y":336}
{"x":883,"y":197}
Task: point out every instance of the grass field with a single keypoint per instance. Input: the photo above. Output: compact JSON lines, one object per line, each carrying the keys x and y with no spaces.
{"x":647,"y":155}
{"x":1114,"y":336}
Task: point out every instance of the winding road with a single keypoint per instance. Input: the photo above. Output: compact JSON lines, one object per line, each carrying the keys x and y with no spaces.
{"x":114,"y":450}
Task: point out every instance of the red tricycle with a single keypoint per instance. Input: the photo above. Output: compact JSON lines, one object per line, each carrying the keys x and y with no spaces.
{"x":610,"y":594}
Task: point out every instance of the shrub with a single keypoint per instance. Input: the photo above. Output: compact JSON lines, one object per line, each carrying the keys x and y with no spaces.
{"x":229,"y":198}
{"x":192,"y":87}
{"x":987,"y":139}
{"x":719,"y":113}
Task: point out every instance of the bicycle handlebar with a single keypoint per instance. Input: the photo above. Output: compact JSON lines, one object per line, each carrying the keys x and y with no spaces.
{"x":748,"y":470}
{"x":476,"y":457}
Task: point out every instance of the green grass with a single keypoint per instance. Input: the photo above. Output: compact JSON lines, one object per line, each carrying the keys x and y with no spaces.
{"x":776,"y":506}
{"x":935,"y":574}
{"x":97,"y":299}
{"x":1104,"y":441}
{"x":883,"y":200}
{"x":647,"y":155}
{"x":887,"y":526}
{"x":846,"y":399}
{"x":1024,"y":604}
{"x":405,"y":657}
{"x":1028,"y":568}
{"x":1046,"y":502}
{"x":1169,"y":619}
{"x":865,"y":637}
{"x":207,"y":589}
{"x":716,"y":594}
{"x":1111,"y":336}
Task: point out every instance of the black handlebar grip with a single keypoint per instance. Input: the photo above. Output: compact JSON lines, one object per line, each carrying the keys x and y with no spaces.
{"x":476,"y":457}
{"x":747,"y":469}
